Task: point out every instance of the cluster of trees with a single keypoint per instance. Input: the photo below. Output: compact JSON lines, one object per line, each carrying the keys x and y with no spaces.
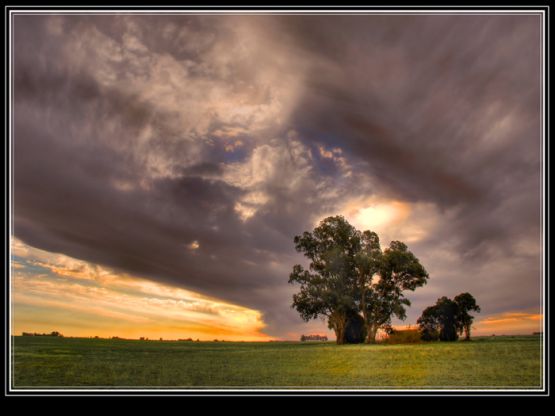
{"x":313,"y":338}
{"x":351,"y":281}
{"x":35,"y":334}
{"x":448,"y":318}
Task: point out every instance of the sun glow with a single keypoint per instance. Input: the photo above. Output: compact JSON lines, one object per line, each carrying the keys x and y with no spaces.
{"x":194,"y":245}
{"x":379,"y":215}
{"x":392,"y":219}
{"x":375,"y":214}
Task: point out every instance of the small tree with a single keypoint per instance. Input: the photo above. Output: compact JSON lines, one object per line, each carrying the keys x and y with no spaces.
{"x":429,"y":324}
{"x":447,"y":311}
{"x":448,"y":318}
{"x":465,"y":303}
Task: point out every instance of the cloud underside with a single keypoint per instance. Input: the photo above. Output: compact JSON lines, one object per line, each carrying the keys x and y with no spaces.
{"x":190,"y":150}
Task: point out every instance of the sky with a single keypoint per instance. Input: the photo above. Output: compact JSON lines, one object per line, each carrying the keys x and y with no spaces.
{"x":162,"y":165}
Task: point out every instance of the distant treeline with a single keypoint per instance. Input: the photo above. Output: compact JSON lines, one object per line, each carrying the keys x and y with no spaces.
{"x":314,"y":338}
{"x":35,"y":334}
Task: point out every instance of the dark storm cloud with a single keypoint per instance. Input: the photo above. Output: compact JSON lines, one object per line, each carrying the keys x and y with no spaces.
{"x":118,"y":160}
{"x":443,"y":110}
{"x":410,"y":93}
{"x":418,"y":99}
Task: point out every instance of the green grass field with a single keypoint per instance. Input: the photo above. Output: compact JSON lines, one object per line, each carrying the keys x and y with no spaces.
{"x":498,"y":362}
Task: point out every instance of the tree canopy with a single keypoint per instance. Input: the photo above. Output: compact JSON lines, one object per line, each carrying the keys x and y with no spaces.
{"x":466,"y":303}
{"x":327,"y":288}
{"x":384,"y":276}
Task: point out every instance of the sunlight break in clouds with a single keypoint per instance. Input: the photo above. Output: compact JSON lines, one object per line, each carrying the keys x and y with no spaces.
{"x":57,"y":292}
{"x":379,"y":216}
{"x":392,"y":219}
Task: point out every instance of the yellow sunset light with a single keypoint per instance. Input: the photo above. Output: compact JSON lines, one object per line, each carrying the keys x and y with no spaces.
{"x":376,"y":214}
{"x":105,"y":303}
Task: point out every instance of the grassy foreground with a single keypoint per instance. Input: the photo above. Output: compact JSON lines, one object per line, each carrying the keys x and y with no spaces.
{"x":498,"y":362}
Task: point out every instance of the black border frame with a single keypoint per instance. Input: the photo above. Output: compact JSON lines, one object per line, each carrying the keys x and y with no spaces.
{"x":474,"y":6}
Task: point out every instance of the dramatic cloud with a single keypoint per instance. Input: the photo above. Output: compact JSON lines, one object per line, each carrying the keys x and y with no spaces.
{"x":189,"y":150}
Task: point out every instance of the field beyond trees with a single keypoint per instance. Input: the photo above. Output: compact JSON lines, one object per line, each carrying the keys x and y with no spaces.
{"x":488,"y":362}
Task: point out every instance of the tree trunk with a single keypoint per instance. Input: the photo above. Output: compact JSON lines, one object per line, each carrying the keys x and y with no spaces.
{"x":467,"y":333}
{"x":370,"y":336}
{"x":340,"y":335}
{"x":338,"y":322}
{"x":372,"y":331}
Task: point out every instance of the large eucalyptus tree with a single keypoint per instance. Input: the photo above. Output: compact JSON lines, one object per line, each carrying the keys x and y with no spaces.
{"x":350,"y":274}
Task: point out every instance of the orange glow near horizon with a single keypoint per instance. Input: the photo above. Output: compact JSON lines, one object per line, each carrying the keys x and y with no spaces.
{"x":508,"y":323}
{"x":53,"y":292}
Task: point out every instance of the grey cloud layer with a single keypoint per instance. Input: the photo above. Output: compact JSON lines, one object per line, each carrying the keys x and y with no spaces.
{"x":136,"y":135}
